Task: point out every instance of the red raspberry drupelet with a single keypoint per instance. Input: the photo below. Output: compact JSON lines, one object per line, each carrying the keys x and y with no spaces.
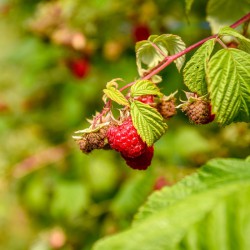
{"x":147,"y":99}
{"x":141,"y":162}
{"x":125,"y":139}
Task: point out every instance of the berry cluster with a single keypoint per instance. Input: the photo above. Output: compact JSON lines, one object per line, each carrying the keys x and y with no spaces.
{"x":122,"y":136}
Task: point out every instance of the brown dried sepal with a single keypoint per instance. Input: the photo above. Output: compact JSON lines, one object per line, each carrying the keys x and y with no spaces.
{"x":94,"y":140}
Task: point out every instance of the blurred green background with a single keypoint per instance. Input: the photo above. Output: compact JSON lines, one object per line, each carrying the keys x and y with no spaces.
{"x":55,"y":59}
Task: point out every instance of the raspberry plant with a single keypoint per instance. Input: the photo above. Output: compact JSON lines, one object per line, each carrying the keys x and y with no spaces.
{"x":56,"y":56}
{"x":218,"y":79}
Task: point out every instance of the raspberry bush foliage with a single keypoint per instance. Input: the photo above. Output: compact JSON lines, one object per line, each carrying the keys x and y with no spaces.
{"x":196,"y":213}
{"x":199,"y":211}
{"x":217,"y":75}
{"x":169,"y":82}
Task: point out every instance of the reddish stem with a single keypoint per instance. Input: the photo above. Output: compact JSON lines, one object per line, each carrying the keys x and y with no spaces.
{"x":169,"y":59}
{"x":240,"y":21}
{"x":105,"y":109}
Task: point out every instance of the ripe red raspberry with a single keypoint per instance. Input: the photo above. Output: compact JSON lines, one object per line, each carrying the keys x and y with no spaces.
{"x":147,"y":99}
{"x":125,"y":139}
{"x":141,"y":162}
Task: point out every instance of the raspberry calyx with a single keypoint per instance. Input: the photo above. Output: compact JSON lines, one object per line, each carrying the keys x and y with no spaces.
{"x":93,"y":137}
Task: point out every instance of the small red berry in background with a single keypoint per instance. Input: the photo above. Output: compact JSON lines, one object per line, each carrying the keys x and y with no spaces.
{"x":141,"y":32}
{"x":79,"y":67}
{"x":160,"y":183}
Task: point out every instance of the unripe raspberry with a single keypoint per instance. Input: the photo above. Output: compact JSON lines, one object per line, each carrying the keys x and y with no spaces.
{"x":125,"y":139}
{"x":198,"y":111}
{"x":167,"y":108}
{"x":141,"y":162}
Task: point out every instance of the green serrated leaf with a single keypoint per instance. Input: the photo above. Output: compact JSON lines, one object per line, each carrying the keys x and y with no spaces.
{"x":145,"y":87}
{"x":214,"y":219}
{"x":216,"y":216}
{"x":152,"y":38}
{"x":153,"y":51}
{"x":194,"y":71}
{"x":214,"y":173}
{"x":115,"y":95}
{"x":148,"y":122}
{"x":225,"y":12}
{"x":146,"y":56}
{"x":228,"y":77}
{"x":172,"y":44}
{"x":244,"y":43}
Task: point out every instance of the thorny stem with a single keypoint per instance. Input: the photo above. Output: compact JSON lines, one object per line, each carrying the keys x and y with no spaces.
{"x":168,"y":60}
{"x":105,"y":109}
